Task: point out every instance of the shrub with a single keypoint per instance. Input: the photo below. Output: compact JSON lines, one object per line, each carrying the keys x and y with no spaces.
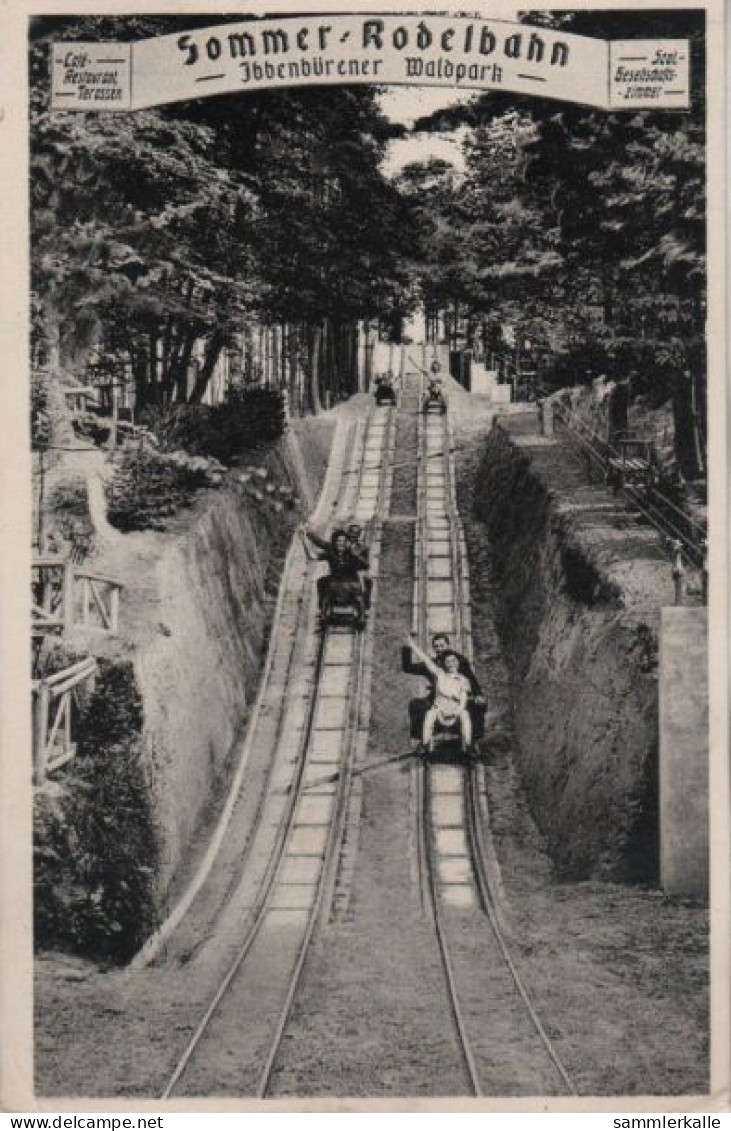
{"x":650,"y":363}
{"x":54,"y":656}
{"x":96,"y":848}
{"x":69,"y":507}
{"x":227,"y":431}
{"x":147,"y":489}
{"x":40,"y":414}
{"x":90,"y":428}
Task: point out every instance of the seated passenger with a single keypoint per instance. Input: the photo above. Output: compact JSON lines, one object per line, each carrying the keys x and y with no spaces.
{"x":345,"y":565}
{"x":418,"y":707}
{"x":385,"y":393}
{"x":358,"y":546}
{"x":440,"y":646}
{"x":451,"y":690}
{"x":435,"y":396}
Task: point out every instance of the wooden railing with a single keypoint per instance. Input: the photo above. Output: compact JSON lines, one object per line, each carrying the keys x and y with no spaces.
{"x":664,"y":513}
{"x":55,"y":705}
{"x":65,"y":596}
{"x":99,"y":600}
{"x":52,"y":595}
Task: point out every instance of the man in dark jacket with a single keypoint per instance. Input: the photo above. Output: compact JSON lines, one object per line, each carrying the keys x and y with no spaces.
{"x":359,"y":548}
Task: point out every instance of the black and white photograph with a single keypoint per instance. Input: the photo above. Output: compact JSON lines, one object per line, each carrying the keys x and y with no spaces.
{"x":364,"y":491}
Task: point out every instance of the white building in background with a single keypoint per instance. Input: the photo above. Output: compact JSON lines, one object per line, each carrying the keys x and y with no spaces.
{"x":415,"y":326}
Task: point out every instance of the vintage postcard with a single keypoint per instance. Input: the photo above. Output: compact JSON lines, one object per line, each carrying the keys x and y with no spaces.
{"x":364,"y":584}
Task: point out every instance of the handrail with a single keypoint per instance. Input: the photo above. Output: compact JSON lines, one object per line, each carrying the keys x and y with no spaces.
{"x":648,"y":507}
{"x":77,"y":584}
{"x":47,"y":561}
{"x":80,"y":572}
{"x":616,"y":454}
{"x":52,"y":706}
{"x":78,"y":669}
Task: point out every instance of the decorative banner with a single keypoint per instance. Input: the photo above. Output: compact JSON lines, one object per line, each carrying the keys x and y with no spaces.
{"x":459,"y":52}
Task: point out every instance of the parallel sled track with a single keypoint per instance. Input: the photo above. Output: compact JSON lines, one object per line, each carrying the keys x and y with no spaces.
{"x":254,"y":998}
{"x":455,"y":864}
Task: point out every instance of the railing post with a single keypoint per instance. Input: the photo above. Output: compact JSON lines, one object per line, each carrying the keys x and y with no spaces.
{"x":68,"y":596}
{"x":70,"y":704}
{"x":704,"y":571}
{"x":114,"y":608}
{"x":547,"y":418}
{"x":41,"y":727}
{"x":115,"y":413}
{"x":46,"y":584}
{"x":85,"y":595}
{"x":678,"y":571}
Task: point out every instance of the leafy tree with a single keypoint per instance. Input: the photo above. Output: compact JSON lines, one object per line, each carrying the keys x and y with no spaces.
{"x":155,"y":230}
{"x":581,"y":228}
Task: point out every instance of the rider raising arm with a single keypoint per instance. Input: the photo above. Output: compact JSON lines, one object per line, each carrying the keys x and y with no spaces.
{"x":451,"y":687}
{"x":450,"y":698}
{"x":321,"y":543}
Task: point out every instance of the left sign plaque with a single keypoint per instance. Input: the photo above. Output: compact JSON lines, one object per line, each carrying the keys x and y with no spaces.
{"x":92,"y":76}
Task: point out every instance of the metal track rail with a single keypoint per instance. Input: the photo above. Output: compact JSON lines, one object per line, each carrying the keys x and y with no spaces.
{"x":473,"y":805}
{"x":490,"y":907}
{"x":427,"y":869}
{"x":463,"y":1037}
{"x":332,"y":853}
{"x":262,"y":904}
{"x":265,"y":897}
{"x":337,"y":826}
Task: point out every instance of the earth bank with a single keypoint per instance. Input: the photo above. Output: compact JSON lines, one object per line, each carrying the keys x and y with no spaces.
{"x":195,"y":613}
{"x":581,"y":646}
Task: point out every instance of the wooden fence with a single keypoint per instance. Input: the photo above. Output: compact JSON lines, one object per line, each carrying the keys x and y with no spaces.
{"x":55,"y":704}
{"x":65,"y":596}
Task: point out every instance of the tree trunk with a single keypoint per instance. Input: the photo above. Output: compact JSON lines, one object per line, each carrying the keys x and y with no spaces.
{"x":275,"y":355}
{"x":364,"y":374}
{"x":686,"y":434}
{"x":158,"y":391}
{"x":53,"y":339}
{"x":455,"y":325}
{"x":699,"y":433}
{"x":290,"y":359}
{"x":141,"y":376}
{"x":214,"y":346}
{"x":168,"y":351}
{"x":608,"y":300}
{"x":354,"y":358}
{"x":326,"y":364}
{"x":268,"y":356}
{"x":336,"y":380}
{"x":179,"y":369}
{"x":315,"y":402}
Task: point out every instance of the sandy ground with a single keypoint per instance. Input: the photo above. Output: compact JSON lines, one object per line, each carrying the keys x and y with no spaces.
{"x":618,"y":973}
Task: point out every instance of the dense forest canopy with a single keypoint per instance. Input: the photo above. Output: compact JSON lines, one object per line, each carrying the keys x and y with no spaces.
{"x":582,"y":231}
{"x":154,"y":230}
